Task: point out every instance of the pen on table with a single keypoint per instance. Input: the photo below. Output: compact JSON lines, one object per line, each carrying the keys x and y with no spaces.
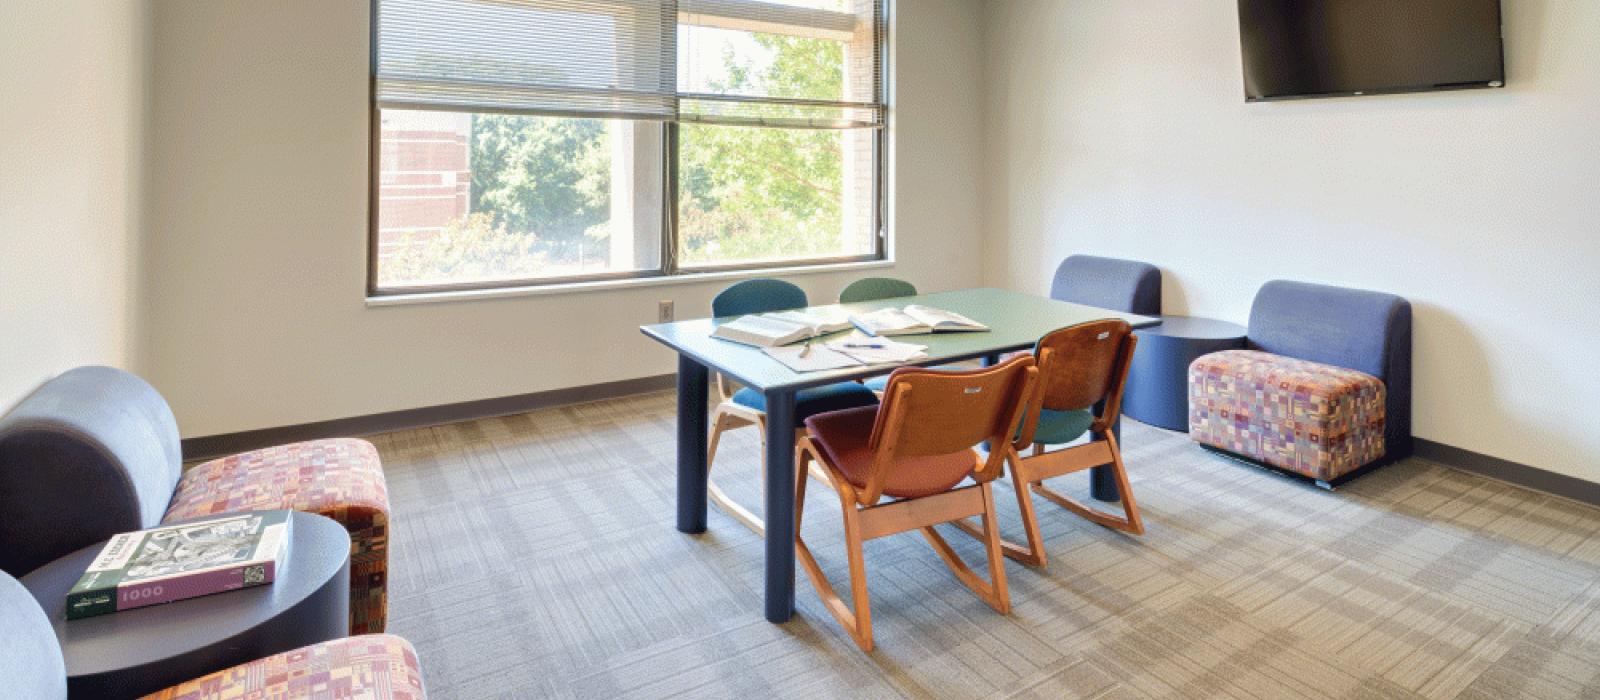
{"x":878,"y":346}
{"x":806,"y":350}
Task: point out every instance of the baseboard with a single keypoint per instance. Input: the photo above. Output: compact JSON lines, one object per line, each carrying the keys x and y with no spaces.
{"x":230,"y":443}
{"x":1570,"y":487}
{"x":210,"y":446}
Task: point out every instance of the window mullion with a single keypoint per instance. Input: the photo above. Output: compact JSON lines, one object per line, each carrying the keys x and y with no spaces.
{"x":669,"y":204}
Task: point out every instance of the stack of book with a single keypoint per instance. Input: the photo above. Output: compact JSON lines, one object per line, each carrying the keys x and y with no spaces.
{"x":174,"y":562}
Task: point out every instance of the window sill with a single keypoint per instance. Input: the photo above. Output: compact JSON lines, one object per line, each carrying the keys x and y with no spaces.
{"x":403,"y":299}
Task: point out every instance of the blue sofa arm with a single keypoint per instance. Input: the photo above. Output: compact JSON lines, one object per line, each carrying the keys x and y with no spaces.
{"x":91,"y":453}
{"x":1365,"y":331}
{"x":30,"y":659}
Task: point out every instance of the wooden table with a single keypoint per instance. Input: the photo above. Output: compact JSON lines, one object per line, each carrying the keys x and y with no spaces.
{"x":1016,"y":322}
{"x":134,"y":652}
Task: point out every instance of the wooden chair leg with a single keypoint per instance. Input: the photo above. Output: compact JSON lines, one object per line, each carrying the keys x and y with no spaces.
{"x":1128,"y":522}
{"x":997,"y":560}
{"x":993,"y":591}
{"x":802,"y":459}
{"x":719,"y":497}
{"x":857,"y":623}
{"x":1033,"y":553}
{"x":733,"y":508}
{"x":718,"y":424}
{"x":858,"y":576}
{"x":1130,"y":507}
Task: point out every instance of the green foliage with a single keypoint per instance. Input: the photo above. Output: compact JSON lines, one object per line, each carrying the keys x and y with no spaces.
{"x":750,"y":193}
{"x":542,"y":175}
{"x":474,"y":248}
{"x":541,"y":186}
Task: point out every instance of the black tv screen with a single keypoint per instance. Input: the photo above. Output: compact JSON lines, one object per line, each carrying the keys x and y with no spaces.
{"x":1323,"y":48}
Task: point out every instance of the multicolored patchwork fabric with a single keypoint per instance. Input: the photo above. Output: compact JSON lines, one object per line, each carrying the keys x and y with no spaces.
{"x":1319,"y":420}
{"x":369,"y":667}
{"x":339,"y":478}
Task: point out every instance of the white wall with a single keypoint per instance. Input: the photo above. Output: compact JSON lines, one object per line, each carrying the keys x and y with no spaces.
{"x":1120,"y":128}
{"x":259,"y":217}
{"x":72,"y":81}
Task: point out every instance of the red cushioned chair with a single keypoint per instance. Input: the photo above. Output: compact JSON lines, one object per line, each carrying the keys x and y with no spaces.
{"x":917,"y":449}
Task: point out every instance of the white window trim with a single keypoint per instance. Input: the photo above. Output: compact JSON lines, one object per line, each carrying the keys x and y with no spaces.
{"x":459,"y":295}
{"x":744,"y":15}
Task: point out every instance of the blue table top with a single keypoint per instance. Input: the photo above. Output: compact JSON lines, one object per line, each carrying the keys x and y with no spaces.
{"x":1015,"y":320}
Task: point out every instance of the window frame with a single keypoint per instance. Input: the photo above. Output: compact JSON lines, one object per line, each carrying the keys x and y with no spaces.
{"x":669,"y":267}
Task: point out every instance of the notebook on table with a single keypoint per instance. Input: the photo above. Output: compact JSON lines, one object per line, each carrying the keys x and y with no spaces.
{"x":850,"y":351}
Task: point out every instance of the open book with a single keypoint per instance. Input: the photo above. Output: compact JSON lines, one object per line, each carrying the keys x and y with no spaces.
{"x":912,"y":320}
{"x":782,"y":327}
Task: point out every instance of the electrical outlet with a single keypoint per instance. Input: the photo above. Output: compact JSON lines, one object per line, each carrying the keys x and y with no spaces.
{"x":664,"y":312}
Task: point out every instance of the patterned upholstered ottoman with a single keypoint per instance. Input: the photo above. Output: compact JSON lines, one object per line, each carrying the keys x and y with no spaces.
{"x":368,"y":667}
{"x":340,"y":478}
{"x":1312,"y":418}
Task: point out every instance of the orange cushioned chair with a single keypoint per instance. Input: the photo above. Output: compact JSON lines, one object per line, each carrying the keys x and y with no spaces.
{"x":916,"y":448}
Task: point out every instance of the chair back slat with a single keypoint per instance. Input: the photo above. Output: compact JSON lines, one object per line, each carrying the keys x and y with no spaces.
{"x":929,"y":412}
{"x":1079,"y":365}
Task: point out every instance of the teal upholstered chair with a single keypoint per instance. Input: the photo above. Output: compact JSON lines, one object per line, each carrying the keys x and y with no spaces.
{"x":874,"y":288}
{"x":749,"y":407}
{"x":757,"y":296}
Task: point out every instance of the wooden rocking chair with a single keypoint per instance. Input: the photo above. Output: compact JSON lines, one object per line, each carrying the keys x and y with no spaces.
{"x":1080,"y":367}
{"x":917,"y":447}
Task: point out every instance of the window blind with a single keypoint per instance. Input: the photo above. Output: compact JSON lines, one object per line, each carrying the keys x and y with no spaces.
{"x":805,"y":63}
{"x":786,"y":63}
{"x":594,"y":58}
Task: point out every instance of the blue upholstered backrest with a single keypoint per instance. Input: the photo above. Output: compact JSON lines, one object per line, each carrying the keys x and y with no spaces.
{"x":1360,"y":330}
{"x":757,"y":296}
{"x":30,"y":657}
{"x":89,"y":454}
{"x":874,"y":288}
{"x":1109,"y":283}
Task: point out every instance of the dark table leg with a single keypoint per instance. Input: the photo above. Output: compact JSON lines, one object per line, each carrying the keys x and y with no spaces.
{"x":1102,"y":482}
{"x":692,"y":381}
{"x":780,"y":505}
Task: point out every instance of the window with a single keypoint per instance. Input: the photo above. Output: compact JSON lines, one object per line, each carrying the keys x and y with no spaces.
{"x":523,"y":142}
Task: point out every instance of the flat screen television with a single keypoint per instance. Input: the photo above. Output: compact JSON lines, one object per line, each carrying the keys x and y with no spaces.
{"x":1326,"y":48}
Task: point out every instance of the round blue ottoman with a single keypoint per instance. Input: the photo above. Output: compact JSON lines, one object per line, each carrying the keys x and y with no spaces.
{"x":1158,"y":380}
